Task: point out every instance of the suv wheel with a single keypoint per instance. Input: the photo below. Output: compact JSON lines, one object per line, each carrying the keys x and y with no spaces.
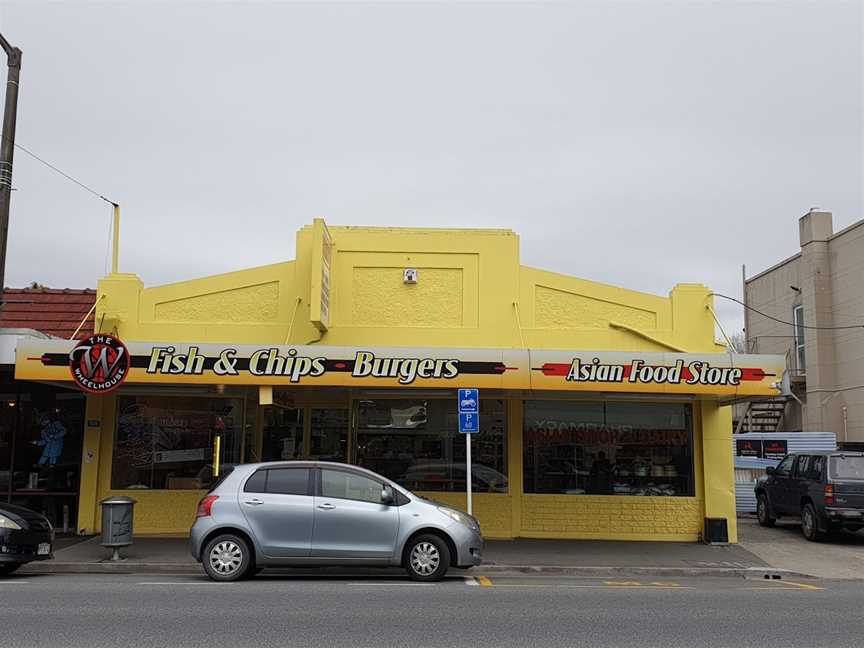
{"x":810,"y":523}
{"x":226,"y":558}
{"x":8,"y":568}
{"x":427,"y":558}
{"x":763,"y":511}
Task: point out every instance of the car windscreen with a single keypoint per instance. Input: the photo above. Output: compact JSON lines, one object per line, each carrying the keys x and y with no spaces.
{"x":847,"y":467}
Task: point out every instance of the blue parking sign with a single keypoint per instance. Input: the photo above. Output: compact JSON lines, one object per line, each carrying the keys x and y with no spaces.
{"x":469,"y":401}
{"x":469,"y":423}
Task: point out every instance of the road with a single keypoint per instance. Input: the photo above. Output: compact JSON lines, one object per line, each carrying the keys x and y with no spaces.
{"x":325,"y":610}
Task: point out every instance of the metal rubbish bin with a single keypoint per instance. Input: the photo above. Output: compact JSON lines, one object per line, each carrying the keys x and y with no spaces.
{"x":117,"y":523}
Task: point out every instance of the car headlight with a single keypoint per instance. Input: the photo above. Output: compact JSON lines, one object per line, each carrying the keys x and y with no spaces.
{"x":460,"y":517}
{"x":7,"y":523}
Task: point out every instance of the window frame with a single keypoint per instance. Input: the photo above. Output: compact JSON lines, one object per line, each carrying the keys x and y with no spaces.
{"x":178,"y":392}
{"x":798,"y":337}
{"x":319,"y":484}
{"x":791,"y":460}
{"x":309,"y":481}
{"x":605,"y":400}
{"x":354,"y":429}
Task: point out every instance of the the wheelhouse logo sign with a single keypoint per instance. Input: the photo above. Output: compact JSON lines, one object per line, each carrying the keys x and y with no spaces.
{"x":99,"y":364}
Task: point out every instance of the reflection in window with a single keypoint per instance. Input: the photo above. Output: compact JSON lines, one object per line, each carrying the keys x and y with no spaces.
{"x":608,"y":448}
{"x":416,"y":443}
{"x":282,"y":433}
{"x":329,"y":434}
{"x":167,"y":441}
{"x":343,"y":485}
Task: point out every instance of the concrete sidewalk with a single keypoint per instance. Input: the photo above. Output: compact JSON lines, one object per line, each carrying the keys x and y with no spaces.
{"x":584,"y":558}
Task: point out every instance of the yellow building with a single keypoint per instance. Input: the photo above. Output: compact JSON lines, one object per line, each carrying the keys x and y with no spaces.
{"x":603,"y":411}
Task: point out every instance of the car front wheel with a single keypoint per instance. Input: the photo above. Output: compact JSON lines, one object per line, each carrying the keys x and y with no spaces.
{"x":8,"y":568}
{"x":427,"y":558}
{"x":810,"y":523}
{"x":227,"y":558}
{"x":763,"y":512}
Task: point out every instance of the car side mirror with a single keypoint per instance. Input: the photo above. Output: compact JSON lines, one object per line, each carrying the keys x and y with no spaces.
{"x":387,"y":495}
{"x":770,"y":470}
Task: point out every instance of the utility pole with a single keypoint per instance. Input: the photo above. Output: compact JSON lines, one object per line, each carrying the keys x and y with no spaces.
{"x":7,"y":147}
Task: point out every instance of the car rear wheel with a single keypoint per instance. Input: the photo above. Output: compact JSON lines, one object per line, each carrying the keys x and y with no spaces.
{"x":810,"y":523}
{"x":763,"y":512}
{"x":227,"y":558}
{"x":427,"y":558}
{"x":8,"y":568}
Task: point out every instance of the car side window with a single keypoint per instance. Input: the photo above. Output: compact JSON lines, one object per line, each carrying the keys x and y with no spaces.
{"x":257,"y":483}
{"x":803,"y":465}
{"x":288,"y":481}
{"x":345,"y":485}
{"x":784,"y":469}
{"x":817,"y":468}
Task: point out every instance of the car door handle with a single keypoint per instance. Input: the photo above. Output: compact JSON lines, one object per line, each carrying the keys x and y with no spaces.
{"x":326,"y":506}
{"x":254,"y":502}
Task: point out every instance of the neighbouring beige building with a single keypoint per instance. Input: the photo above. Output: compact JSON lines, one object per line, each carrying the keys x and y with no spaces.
{"x":820,"y":286}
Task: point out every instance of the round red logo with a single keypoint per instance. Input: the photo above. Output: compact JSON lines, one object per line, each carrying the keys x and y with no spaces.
{"x":99,"y":364}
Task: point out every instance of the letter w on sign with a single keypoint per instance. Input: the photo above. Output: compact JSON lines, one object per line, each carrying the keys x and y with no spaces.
{"x":101,"y":361}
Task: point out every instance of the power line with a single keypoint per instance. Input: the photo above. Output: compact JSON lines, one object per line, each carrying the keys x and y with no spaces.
{"x":771,"y":317}
{"x":65,"y":175}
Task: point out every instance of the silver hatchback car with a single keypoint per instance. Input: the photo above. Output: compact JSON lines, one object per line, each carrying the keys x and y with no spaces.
{"x":313,"y":513}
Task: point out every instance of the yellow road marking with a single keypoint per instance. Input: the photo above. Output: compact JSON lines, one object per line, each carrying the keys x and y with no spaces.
{"x":781,"y":585}
{"x":484,"y":581}
{"x":623,"y":583}
{"x":550,"y":586}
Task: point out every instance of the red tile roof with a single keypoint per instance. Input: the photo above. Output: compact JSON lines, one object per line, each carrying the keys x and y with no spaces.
{"x":54,"y":311}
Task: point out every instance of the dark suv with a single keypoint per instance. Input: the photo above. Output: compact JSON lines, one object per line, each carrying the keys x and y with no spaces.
{"x":826,"y":489}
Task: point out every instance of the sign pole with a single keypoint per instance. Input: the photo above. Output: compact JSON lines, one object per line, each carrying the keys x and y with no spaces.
{"x":468,"y":472}
{"x":469,"y":423}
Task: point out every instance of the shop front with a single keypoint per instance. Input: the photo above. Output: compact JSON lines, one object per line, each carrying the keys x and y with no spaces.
{"x":603,"y":412}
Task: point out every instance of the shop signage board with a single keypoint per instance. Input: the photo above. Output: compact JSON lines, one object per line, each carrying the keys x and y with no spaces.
{"x":749,"y":448}
{"x":321,"y":270}
{"x":468,"y":403}
{"x":717,"y":375}
{"x":775,"y":449}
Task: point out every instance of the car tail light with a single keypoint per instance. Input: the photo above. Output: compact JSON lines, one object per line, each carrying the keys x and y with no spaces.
{"x":829,"y":494}
{"x":205,"y":505}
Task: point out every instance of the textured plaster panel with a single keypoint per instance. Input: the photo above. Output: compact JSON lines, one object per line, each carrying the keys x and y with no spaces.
{"x":258,"y":303}
{"x":380,"y":298}
{"x":162,"y":511}
{"x":561,"y":309}
{"x":611,"y":517}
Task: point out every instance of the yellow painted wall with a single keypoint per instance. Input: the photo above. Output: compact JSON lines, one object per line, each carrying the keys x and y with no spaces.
{"x":472,"y":292}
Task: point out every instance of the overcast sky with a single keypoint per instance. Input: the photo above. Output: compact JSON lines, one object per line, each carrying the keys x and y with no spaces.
{"x":640,"y":144}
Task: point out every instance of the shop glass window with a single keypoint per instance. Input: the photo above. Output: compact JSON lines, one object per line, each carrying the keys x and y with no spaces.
{"x":328,"y":434}
{"x":41,"y":431}
{"x":282,"y":433}
{"x":166,"y":442}
{"x":343,"y":485}
{"x":608,"y":448}
{"x":288,"y":481}
{"x":8,"y":424}
{"x":416,"y":443}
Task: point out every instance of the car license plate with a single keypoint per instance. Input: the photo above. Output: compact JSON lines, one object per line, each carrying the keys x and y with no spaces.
{"x":44,"y":548}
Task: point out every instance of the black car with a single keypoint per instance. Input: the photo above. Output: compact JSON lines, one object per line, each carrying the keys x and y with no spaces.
{"x":25,"y":536}
{"x":826,"y":489}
